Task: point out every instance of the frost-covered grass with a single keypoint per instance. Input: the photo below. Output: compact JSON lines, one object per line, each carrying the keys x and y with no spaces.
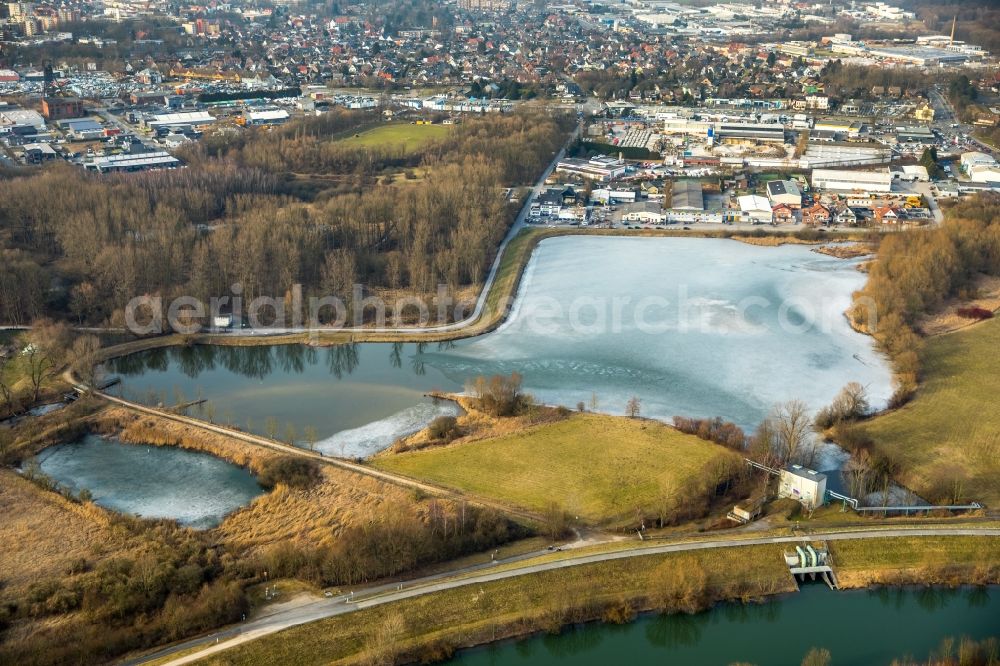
{"x":947,"y":439}
{"x":599,"y":468}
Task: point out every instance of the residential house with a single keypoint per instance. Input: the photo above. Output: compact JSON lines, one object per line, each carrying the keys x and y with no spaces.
{"x":550,"y":202}
{"x":886,"y":215}
{"x":783,"y":214}
{"x":845,"y":215}
{"x":816,"y":215}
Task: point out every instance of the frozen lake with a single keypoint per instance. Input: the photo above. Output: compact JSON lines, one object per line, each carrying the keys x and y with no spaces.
{"x":693,"y":327}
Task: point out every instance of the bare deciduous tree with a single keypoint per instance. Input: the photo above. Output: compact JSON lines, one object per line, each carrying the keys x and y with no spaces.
{"x":793,"y":430}
{"x":45,"y":352}
{"x":633,"y":407}
{"x":83,"y":354}
{"x":6,"y":391}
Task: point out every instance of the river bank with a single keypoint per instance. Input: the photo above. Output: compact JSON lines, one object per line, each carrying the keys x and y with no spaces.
{"x":433,"y":626}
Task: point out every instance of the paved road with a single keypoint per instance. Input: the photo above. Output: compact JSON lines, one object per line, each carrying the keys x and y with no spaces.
{"x":325,"y":608}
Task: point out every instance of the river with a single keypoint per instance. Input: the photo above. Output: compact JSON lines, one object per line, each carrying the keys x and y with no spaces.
{"x":858,"y":627}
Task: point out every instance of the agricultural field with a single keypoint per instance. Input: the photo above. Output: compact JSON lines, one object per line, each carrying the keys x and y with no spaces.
{"x":599,"y":468}
{"x":947,"y":440}
{"x":409,"y":136}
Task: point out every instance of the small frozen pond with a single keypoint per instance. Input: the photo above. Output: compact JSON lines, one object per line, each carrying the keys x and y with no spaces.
{"x":196,"y":489}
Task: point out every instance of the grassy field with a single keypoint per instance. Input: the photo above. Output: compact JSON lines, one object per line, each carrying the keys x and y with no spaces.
{"x":467,"y":616}
{"x":923,"y":560}
{"x":948,"y":438}
{"x":599,"y":468}
{"x":409,"y":136}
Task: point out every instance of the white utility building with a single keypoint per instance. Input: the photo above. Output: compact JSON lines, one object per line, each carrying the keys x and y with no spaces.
{"x":804,"y":485}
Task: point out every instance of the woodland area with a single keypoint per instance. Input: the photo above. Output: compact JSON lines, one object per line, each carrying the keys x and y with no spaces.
{"x":916,"y":272}
{"x":846,"y":81}
{"x":268,"y":210}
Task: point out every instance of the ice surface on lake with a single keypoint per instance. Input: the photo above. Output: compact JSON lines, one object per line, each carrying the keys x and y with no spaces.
{"x":194,"y":488}
{"x":694,"y":327}
{"x":373,"y":437}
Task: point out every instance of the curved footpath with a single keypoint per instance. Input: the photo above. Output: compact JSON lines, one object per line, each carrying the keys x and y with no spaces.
{"x":282,"y":619}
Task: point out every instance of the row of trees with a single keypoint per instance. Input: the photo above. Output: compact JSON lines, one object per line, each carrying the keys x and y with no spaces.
{"x":846,"y":81}
{"x":388,"y":547}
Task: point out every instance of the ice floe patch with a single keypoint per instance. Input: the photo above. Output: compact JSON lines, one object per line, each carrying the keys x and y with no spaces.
{"x":373,"y":437}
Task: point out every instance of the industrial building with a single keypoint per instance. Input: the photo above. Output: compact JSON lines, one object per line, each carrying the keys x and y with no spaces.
{"x":182,"y":120}
{"x":596,"y":168}
{"x":59,"y":108}
{"x":83,"y":129}
{"x":646,"y":212}
{"x":820,"y":154}
{"x":755,"y":209}
{"x":804,"y":485}
{"x":921,"y":56}
{"x":11,"y":117}
{"x":265,"y":117}
{"x":687,"y":204}
{"x":784,"y":192}
{"x":749,"y":132}
{"x":917,"y":134}
{"x":686,"y":126}
{"x":975,"y":158}
{"x":132,"y":163}
{"x":851,"y":181}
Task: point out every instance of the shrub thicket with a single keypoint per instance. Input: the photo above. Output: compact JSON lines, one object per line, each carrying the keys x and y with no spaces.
{"x":291,"y":471}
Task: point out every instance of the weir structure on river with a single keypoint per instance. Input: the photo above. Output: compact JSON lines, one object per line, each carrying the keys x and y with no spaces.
{"x":807,"y":560}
